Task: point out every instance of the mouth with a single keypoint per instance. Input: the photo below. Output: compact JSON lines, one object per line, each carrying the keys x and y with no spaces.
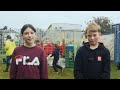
{"x":92,"y":41}
{"x":29,"y":39}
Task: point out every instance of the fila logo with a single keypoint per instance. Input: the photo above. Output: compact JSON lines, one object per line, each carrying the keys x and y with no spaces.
{"x":25,"y":60}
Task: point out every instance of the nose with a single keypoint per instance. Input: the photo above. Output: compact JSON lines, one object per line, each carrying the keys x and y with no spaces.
{"x":92,"y":37}
{"x":29,"y":34}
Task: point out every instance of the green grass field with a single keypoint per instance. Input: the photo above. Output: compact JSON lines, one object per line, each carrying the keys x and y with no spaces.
{"x":67,"y":73}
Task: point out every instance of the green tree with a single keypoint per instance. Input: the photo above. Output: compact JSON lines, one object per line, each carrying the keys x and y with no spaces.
{"x":5,"y":28}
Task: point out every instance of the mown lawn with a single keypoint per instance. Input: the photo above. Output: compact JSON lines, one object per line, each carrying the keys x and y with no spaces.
{"x":115,"y":74}
{"x":66,"y":74}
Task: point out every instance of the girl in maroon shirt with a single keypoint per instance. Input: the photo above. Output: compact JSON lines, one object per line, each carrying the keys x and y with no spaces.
{"x":28,"y":60}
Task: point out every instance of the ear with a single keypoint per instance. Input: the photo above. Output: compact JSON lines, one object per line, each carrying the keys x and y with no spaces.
{"x":21,"y":36}
{"x":35,"y":36}
{"x":100,"y":34}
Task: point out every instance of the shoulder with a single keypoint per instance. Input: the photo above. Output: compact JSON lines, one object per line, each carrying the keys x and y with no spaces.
{"x":19,"y":47}
{"x":39,"y":48}
{"x":102,"y":47}
{"x":104,"y":50}
{"x":7,"y":41}
{"x":81,"y":49}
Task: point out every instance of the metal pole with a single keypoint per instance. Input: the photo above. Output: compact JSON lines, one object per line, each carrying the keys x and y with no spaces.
{"x":73,"y":37}
{"x":2,"y":42}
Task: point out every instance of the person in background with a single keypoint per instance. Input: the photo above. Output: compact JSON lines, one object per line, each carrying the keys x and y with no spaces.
{"x":37,"y":42}
{"x":9,"y":48}
{"x":56,"y":55}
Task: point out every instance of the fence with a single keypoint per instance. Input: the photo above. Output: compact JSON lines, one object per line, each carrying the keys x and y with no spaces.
{"x":116,"y":30}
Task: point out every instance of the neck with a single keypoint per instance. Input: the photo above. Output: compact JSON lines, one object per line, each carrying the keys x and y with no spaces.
{"x":94,"y":46}
{"x":29,"y":45}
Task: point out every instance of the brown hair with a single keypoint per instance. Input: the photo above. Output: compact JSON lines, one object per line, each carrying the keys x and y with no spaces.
{"x":37,"y":41}
{"x":56,"y":45}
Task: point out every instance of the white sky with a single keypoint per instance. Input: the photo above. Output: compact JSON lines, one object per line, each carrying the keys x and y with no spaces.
{"x":42,"y":19}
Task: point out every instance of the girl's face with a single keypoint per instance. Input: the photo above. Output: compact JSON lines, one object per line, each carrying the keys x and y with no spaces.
{"x":29,"y":36}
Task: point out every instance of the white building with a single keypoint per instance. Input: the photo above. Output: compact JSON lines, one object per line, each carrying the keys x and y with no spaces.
{"x":3,"y":34}
{"x":70,"y":33}
{"x":40,"y":33}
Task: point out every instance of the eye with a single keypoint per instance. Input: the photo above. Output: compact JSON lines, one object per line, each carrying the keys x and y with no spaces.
{"x":89,"y":35}
{"x":26,"y":33}
{"x":94,"y":35}
{"x":32,"y":32}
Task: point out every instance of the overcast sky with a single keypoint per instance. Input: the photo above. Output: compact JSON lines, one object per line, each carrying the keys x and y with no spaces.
{"x":42,"y":19}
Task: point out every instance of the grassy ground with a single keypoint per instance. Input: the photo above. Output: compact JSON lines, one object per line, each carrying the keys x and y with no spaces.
{"x":115,"y":74}
{"x":67,"y":73}
{"x":52,"y":75}
{"x":2,"y":67}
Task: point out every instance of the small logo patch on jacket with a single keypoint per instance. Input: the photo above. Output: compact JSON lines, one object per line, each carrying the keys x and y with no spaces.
{"x":99,"y":58}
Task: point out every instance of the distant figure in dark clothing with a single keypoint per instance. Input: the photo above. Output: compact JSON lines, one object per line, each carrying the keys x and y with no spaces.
{"x":56,"y":55}
{"x":92,"y":60}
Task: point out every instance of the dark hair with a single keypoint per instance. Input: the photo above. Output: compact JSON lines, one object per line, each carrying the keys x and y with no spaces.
{"x":26,"y":26}
{"x":8,"y":37}
{"x":37,"y":41}
{"x":56,"y":45}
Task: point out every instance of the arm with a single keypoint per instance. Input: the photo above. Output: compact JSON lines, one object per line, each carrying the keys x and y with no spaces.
{"x":106,"y":65}
{"x":78,"y":66}
{"x":53,"y":53}
{"x":43,"y":66}
{"x":13,"y":68}
{"x":6,"y":47}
